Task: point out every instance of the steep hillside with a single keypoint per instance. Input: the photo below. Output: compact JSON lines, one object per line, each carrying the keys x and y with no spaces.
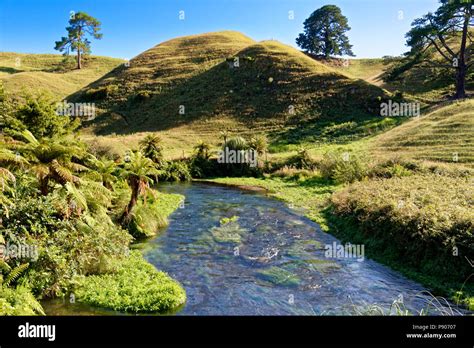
{"x":50,"y":72}
{"x":195,"y":81}
{"x":368,"y":69}
{"x":446,"y":134}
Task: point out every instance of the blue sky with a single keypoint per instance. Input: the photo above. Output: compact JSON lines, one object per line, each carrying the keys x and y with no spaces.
{"x":132,"y":26}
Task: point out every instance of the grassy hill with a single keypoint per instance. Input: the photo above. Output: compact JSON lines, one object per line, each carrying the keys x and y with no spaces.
{"x":274,"y":86}
{"x":438,"y":136}
{"x":368,"y":69}
{"x":50,"y":72}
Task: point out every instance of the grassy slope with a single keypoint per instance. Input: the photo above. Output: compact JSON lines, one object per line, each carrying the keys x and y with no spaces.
{"x":35,"y":72}
{"x":368,"y":69}
{"x":436,"y":136}
{"x":256,"y":97}
{"x":433,"y":137}
{"x":271,"y":77}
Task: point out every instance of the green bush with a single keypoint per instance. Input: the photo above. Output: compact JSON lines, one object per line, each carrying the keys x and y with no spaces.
{"x":175,"y":171}
{"x":342,"y":167}
{"x":136,"y":287}
{"x":302,"y":160}
{"x":39,"y":114}
{"x":143,"y":95}
{"x":19,"y":301}
{"x":151,"y":214}
{"x":101,"y":93}
{"x":425,"y":220}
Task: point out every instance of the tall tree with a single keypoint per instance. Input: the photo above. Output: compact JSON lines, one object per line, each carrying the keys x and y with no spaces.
{"x":324,"y":33}
{"x":447,"y":32}
{"x":80,"y":25}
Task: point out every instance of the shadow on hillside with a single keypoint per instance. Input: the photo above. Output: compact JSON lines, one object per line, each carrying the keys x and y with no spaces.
{"x":10,"y":70}
{"x":261,"y":91}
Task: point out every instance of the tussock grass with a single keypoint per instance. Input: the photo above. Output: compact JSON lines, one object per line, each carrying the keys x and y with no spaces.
{"x":422,"y":223}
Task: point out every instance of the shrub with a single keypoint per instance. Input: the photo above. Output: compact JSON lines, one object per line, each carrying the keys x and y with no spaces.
{"x":39,"y":115}
{"x":151,"y":214}
{"x":421,"y":220}
{"x":64,"y":247}
{"x":236,"y":143}
{"x":291,"y":172}
{"x":101,"y":93}
{"x":103,"y":150}
{"x":302,"y":160}
{"x":175,"y":171}
{"x":143,"y":95}
{"x":342,"y":167}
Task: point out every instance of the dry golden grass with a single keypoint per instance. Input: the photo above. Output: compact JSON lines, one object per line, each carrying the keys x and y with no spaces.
{"x":47,"y":72}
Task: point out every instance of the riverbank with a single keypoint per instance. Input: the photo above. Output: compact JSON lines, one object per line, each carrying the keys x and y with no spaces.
{"x":132,"y":284}
{"x":247,"y":254}
{"x":316,"y":197}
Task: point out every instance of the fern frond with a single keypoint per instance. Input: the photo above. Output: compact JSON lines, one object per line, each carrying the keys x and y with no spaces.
{"x":63,"y":174}
{"x":15,"y":273}
{"x":4,"y":266}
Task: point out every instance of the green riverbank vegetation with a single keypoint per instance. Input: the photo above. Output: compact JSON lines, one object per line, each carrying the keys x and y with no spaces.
{"x":72,"y":215}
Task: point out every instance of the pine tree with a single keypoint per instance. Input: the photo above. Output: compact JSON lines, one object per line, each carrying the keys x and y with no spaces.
{"x":447,"y":32}
{"x":80,"y":25}
{"x":324,"y":33}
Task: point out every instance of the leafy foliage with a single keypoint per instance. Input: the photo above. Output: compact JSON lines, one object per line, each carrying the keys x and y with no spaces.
{"x":343,"y":167}
{"x":80,"y":24}
{"x":151,"y":148}
{"x":324,"y":33}
{"x":136,"y":287}
{"x":18,"y":301}
{"x":175,"y":171}
{"x":38,"y":114}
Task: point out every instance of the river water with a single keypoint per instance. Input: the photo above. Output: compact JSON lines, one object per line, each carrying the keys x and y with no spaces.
{"x":265,"y":259}
{"x":270,"y":261}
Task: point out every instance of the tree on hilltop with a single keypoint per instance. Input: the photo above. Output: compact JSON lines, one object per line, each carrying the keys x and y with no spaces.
{"x":80,"y":25}
{"x":324,"y":33}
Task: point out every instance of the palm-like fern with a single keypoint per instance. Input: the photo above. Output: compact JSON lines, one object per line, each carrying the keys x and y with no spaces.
{"x":259,"y":143}
{"x":202,"y":150}
{"x":8,"y":159}
{"x":19,"y":297}
{"x":103,"y":170}
{"x":138,"y":172}
{"x":52,"y":161}
{"x":151,"y":148}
